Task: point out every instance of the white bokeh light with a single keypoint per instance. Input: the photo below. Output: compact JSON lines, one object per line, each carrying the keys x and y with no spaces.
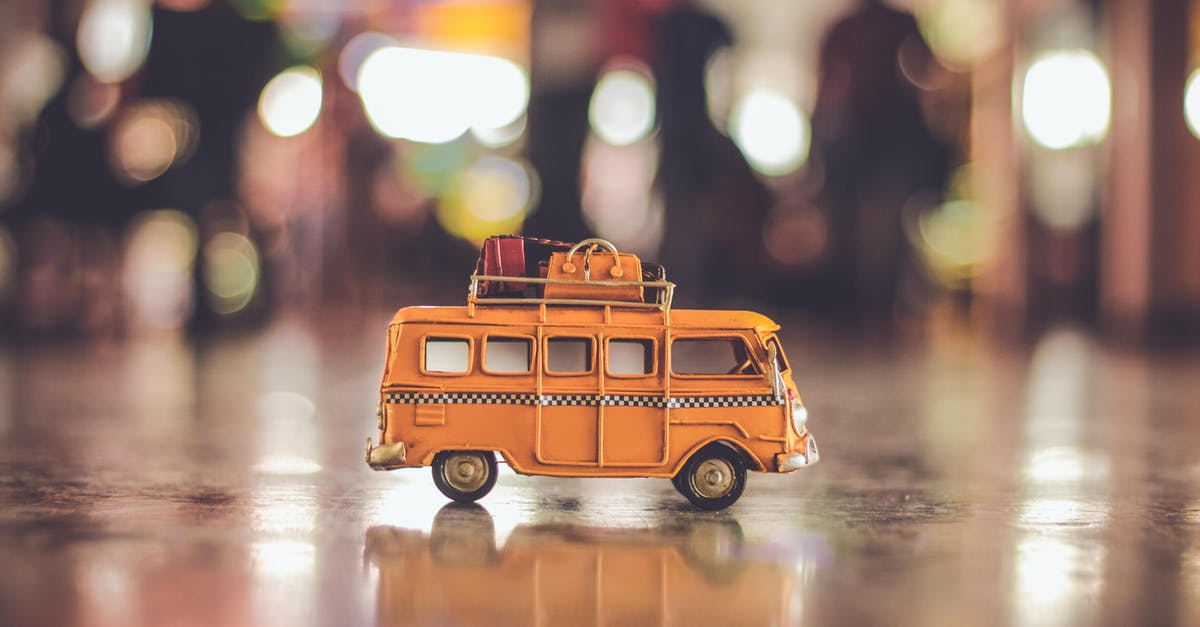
{"x":1066,"y":99}
{"x":1191,"y":102}
{"x":622,"y":107}
{"x":114,"y":37}
{"x":771,"y":131}
{"x":502,"y":90}
{"x":291,"y":102}
{"x":434,"y":97}
{"x":356,"y":51}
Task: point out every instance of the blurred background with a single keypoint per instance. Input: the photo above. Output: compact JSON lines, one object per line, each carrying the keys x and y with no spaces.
{"x":209,"y":209}
{"x":200,"y":164}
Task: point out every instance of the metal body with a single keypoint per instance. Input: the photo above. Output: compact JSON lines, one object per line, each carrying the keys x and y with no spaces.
{"x":594,"y":422}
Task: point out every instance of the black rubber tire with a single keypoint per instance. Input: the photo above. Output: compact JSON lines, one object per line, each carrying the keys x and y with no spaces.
{"x":695,"y":483}
{"x":459,"y":489}
{"x":677,"y":481}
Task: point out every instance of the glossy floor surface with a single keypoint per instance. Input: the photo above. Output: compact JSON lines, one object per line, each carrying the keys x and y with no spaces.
{"x":165,"y":482}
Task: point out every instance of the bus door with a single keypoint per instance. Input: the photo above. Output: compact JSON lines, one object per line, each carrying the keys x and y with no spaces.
{"x":716,"y":382}
{"x":568,"y":399}
{"x":633,"y":416}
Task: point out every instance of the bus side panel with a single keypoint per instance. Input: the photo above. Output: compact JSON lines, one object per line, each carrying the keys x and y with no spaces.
{"x":633,"y":436}
{"x":760,"y":429}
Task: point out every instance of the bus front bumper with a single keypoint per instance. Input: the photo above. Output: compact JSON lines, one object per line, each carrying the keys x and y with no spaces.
{"x":795,"y":460}
{"x":386,"y":456}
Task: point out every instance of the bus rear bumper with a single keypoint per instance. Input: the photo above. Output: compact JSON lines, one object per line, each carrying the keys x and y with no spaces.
{"x":386,"y":456}
{"x":795,"y":460}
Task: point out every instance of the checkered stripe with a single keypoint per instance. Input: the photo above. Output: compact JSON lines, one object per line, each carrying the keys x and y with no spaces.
{"x":581,"y":400}
{"x":761,"y":400}
{"x":460,"y":398}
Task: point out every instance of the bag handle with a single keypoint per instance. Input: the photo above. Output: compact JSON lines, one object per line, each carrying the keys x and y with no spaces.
{"x":616,"y":271}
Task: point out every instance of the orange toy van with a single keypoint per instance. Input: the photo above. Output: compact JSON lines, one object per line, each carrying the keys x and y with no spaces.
{"x":585,"y":374}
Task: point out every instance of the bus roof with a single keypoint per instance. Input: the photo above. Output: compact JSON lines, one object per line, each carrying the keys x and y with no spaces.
{"x":590,"y":316}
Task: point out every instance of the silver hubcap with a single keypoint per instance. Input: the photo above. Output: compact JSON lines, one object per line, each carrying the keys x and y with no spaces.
{"x":465,"y":471}
{"x":713,"y":478}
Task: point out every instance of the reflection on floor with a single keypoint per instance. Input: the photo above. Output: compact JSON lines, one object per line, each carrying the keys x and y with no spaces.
{"x":691,"y":572}
{"x":963,"y":481}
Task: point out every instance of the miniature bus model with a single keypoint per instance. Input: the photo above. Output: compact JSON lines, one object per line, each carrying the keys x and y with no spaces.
{"x":586,"y":387}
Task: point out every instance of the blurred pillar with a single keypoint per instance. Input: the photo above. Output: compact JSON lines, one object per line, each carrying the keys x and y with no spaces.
{"x":1003,"y":284}
{"x":1175,"y":158}
{"x":1150,"y":262}
{"x":564,"y":61}
{"x":1127,"y":201}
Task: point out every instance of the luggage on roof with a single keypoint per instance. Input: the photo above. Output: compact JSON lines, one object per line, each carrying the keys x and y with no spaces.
{"x":591,"y":272}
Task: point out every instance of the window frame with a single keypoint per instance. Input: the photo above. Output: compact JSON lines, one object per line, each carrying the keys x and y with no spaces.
{"x":638,"y":338}
{"x":730,"y":336}
{"x":508,"y":336}
{"x":592,"y":357}
{"x":447,"y":336}
{"x":783,"y":360}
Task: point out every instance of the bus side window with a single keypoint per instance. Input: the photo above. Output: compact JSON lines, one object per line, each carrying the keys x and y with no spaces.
{"x":447,"y":355}
{"x":712,"y":356}
{"x":569,"y":355}
{"x":630,"y":357}
{"x":507,"y":355}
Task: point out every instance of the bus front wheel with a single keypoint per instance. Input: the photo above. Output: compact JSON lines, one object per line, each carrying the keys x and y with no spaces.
{"x":464,"y":476}
{"x":713,"y":478}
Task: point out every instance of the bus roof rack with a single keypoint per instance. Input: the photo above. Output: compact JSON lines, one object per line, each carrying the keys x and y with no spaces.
{"x":665,"y":292}
{"x":514,"y":270}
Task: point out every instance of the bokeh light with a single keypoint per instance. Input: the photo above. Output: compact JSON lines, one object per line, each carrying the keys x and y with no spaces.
{"x":183,"y":6}
{"x":720,"y":79}
{"x":771,"y":131}
{"x":956,"y":238}
{"x":291,"y":102}
{"x":962,"y":32}
{"x":158,"y":268}
{"x":91,"y":103}
{"x":492,"y":196}
{"x":1062,"y":188}
{"x":231,"y":272}
{"x":8,"y":262}
{"x":31,"y":72}
{"x":356,"y":51}
{"x":308,"y":27}
{"x":622,"y":108}
{"x":1066,"y":99}
{"x":149,"y":138}
{"x":796,"y":236}
{"x":434,"y":97}
{"x":498,"y":137}
{"x":114,"y":37}
{"x":1191,"y":102}
{"x":502,"y":88}
{"x":258,"y":10}
{"x":618,"y":200}
{"x":10,"y":174}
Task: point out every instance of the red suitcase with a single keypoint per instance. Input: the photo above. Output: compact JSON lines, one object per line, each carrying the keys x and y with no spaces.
{"x":502,"y":256}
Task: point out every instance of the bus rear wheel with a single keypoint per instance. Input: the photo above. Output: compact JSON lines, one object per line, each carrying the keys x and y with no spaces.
{"x":464,"y":476}
{"x":713,"y":478}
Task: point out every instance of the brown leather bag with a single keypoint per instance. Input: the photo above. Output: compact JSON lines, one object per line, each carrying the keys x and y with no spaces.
{"x":585,"y":264}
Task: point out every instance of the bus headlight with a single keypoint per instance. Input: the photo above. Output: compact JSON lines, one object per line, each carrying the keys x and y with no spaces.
{"x":799,"y":415}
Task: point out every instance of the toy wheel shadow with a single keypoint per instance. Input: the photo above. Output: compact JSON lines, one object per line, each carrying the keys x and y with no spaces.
{"x":463,"y":534}
{"x":712,"y":547}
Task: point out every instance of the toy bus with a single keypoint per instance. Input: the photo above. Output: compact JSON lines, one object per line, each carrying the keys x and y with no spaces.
{"x":588,"y":376}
